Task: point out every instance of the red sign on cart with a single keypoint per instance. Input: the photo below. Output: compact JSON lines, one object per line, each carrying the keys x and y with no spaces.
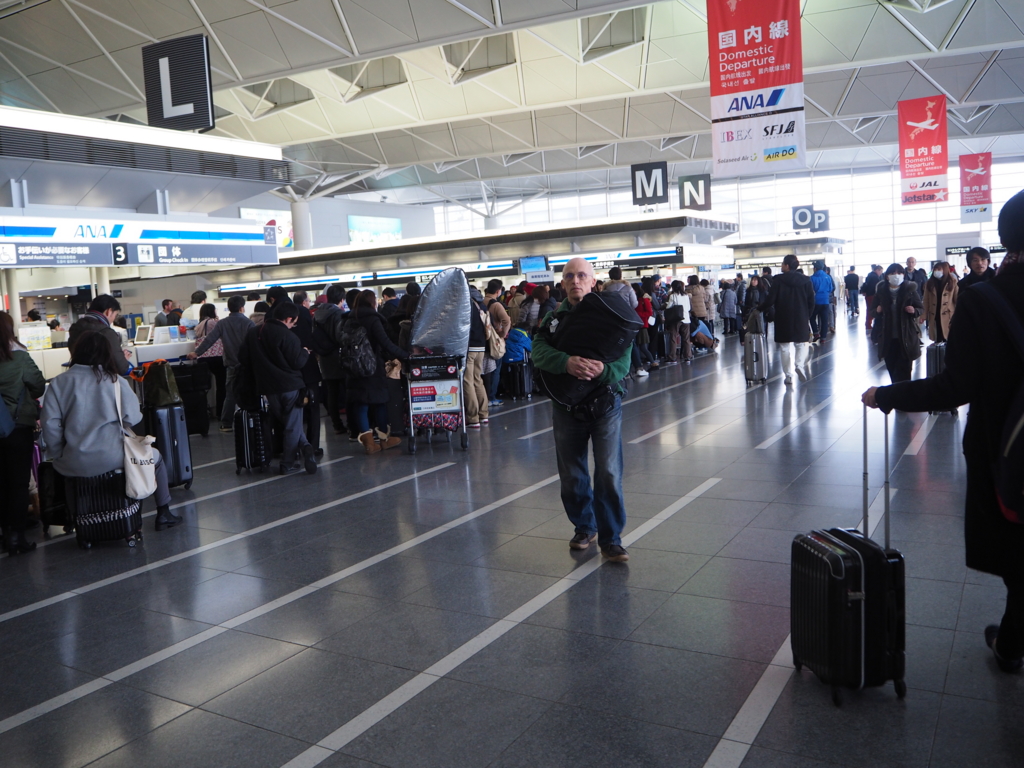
{"x":924,"y":160}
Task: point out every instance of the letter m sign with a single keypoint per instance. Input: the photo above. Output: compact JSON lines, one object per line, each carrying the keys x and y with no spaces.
{"x":650,"y":183}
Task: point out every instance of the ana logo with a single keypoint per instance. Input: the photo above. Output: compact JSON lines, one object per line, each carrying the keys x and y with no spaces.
{"x":97,"y":231}
{"x":780,"y":129}
{"x":779,"y":153}
{"x":750,"y":103}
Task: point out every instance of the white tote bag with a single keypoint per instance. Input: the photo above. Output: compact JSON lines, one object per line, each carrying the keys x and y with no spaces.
{"x":139,"y":463}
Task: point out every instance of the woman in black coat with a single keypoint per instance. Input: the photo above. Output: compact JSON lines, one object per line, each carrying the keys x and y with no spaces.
{"x":898,"y":304}
{"x":983,"y":368}
{"x":370,"y":393}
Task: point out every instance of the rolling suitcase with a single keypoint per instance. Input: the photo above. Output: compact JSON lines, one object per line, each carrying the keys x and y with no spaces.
{"x":755,"y":358}
{"x":102,"y":510}
{"x":935,"y":358}
{"x":253,"y":440}
{"x":171,"y":433}
{"x":847,"y":603}
{"x":517,"y":378}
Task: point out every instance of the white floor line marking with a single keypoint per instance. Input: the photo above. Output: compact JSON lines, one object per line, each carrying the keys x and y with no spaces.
{"x":214,"y":545}
{"x":155,"y":658}
{"x":732,"y":748}
{"x":538,"y":432}
{"x":207,"y":497}
{"x":212,"y":463}
{"x":808,"y":415}
{"x":540,"y":399}
{"x":407,"y":692}
{"x":922,"y":434}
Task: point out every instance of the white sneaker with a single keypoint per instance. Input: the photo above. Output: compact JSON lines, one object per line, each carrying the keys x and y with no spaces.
{"x":801,"y":374}
{"x":642,"y":373}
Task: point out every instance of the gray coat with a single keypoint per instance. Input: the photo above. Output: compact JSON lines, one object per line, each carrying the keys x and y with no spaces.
{"x":79,"y":420}
{"x":231,"y":330}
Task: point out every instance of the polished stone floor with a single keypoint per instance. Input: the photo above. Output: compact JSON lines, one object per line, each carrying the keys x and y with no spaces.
{"x":426,"y":610}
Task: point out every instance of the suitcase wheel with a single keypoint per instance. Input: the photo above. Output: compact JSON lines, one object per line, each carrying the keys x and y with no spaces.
{"x":901,"y":688}
{"x":837,"y":696}
{"x":84,"y":544}
{"x":188,"y":485}
{"x":131,"y":541}
{"x":797,"y":663}
{"x":465,"y":441}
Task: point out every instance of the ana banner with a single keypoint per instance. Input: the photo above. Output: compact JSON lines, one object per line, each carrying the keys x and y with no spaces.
{"x":976,"y":188}
{"x":757,"y":90}
{"x":924,"y":162}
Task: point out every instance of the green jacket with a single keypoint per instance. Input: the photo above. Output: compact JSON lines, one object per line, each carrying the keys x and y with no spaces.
{"x":19,"y":376}
{"x":547,"y":358}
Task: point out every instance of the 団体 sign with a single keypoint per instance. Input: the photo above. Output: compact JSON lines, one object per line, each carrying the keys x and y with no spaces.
{"x":923,"y":151}
{"x":650,"y":183}
{"x":179,"y":91}
{"x":695,"y":192}
{"x":757,"y":90}
{"x":976,"y":188}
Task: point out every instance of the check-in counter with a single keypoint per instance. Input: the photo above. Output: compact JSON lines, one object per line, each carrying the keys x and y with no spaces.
{"x":147,"y":353}
{"x":51,"y":361}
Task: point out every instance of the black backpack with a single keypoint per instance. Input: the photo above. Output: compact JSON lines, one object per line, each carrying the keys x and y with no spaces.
{"x":1009,"y":465}
{"x":355,"y":353}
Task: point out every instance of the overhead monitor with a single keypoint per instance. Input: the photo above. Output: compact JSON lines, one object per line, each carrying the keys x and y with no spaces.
{"x":531,"y":264}
{"x":366,"y":230}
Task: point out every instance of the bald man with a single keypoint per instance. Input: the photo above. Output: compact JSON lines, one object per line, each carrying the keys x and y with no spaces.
{"x":599,"y":511}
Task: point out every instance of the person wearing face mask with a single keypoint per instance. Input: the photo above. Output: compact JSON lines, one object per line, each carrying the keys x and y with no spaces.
{"x":898,"y":305}
{"x":940,"y":295}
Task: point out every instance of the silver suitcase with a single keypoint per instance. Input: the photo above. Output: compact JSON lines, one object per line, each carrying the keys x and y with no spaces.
{"x":755,"y":358}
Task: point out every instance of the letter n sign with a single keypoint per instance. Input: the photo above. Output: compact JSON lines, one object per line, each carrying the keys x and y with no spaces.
{"x":650,"y":183}
{"x":695,"y":192}
{"x":179,"y":92}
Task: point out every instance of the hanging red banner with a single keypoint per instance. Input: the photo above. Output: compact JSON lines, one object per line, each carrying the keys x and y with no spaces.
{"x":924,"y":161}
{"x":757,"y":92}
{"x":976,"y":188}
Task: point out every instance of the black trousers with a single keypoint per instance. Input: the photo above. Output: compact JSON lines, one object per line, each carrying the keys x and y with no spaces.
{"x":896,"y":362}
{"x":335,"y":390}
{"x":311,"y":417}
{"x":220,"y":375}
{"x":1011,"y":631}
{"x":15,"y":468}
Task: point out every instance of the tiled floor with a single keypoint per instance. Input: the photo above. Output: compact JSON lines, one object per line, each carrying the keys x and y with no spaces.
{"x":443,"y":621}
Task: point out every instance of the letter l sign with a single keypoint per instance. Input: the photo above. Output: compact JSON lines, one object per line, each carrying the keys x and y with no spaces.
{"x":165,"y":93}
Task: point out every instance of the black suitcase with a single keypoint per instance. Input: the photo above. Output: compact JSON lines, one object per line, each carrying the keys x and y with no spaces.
{"x":848,"y":603}
{"x":53,"y":507}
{"x":171,"y":432}
{"x":253,"y":440}
{"x":194,"y":381}
{"x":102,"y":510}
{"x":517,"y":379}
{"x":935,"y":358}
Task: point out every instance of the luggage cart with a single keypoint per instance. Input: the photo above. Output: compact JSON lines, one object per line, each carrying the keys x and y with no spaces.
{"x":435,"y":388}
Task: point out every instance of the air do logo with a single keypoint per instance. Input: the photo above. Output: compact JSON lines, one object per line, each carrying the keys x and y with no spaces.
{"x":750,"y":103}
{"x":779,"y":153}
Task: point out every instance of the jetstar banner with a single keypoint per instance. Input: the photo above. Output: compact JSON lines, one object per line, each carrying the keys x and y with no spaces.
{"x":923,"y":151}
{"x":757,"y":89}
{"x":976,"y":188}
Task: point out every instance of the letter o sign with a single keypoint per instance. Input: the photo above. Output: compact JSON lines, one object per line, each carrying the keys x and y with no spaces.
{"x":803,"y":217}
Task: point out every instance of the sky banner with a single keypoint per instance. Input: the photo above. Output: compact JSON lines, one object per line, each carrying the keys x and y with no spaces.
{"x":924,"y":147}
{"x":976,"y":188}
{"x":757,"y":89}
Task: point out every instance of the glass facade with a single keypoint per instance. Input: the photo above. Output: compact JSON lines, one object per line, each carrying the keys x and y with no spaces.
{"x":863,"y":206}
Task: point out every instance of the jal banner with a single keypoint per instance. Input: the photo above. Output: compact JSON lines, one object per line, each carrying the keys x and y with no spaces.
{"x":924,"y":162}
{"x":976,"y":188}
{"x":757,"y":90}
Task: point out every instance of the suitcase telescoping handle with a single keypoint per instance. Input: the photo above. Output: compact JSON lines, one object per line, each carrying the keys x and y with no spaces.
{"x":885,"y":487}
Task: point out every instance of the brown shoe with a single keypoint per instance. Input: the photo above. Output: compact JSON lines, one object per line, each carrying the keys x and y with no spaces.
{"x":366,"y":438}
{"x":385,"y":440}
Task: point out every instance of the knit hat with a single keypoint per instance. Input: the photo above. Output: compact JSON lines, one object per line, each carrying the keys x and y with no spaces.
{"x":1011,"y":224}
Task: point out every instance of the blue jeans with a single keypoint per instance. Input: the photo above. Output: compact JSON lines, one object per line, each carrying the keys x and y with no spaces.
{"x":361,"y":417}
{"x":600,"y":509}
{"x":491,"y":385}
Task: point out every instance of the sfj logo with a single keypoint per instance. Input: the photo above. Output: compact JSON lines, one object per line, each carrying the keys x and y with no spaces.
{"x":779,"y":153}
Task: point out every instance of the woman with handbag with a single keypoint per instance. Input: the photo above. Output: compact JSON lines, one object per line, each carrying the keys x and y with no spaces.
{"x":20,"y":384}
{"x":85,"y":414}
{"x":677,"y":321}
{"x":214,"y":356}
{"x":643,"y":360}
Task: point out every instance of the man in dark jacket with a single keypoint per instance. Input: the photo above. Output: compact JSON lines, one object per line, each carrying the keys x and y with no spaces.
{"x":274,"y":357}
{"x":852,"y":283}
{"x":978,"y":260}
{"x":103,"y":311}
{"x":918,"y":276}
{"x":390,"y":305}
{"x":231,"y":332}
{"x":327,"y":322}
{"x":792,"y":298}
{"x":310,"y":372}
{"x":983,"y":368}
{"x":868,"y":292}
